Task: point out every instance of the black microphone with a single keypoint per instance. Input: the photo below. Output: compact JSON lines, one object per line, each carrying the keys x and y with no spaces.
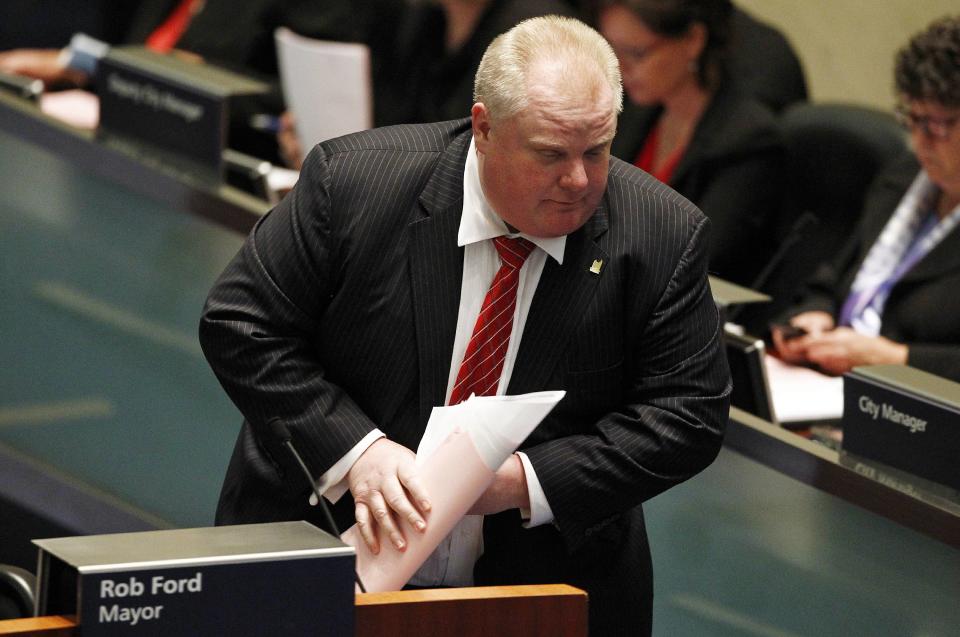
{"x":279,"y":429}
{"x":21,"y":86}
{"x":794,"y":234}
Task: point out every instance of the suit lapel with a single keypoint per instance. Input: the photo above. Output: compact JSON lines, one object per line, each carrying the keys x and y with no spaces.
{"x":942,"y":259}
{"x":632,"y":129}
{"x":690,"y":159}
{"x":562,"y":296}
{"x":704,"y":138}
{"x":436,"y":272}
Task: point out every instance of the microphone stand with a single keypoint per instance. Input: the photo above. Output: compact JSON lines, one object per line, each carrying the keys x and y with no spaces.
{"x":283,"y":433}
{"x":794,"y":235}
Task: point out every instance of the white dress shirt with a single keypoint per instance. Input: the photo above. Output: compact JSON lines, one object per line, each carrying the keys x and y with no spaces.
{"x":452,"y":563}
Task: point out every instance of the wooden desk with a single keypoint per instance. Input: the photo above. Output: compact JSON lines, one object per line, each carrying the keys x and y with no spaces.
{"x":554,"y":610}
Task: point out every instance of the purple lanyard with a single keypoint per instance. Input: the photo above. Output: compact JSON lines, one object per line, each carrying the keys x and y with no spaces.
{"x":877,"y":296}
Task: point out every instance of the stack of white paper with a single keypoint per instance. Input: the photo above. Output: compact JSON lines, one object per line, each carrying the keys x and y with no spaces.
{"x":801,"y":394}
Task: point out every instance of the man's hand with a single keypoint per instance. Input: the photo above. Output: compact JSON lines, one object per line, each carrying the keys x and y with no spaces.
{"x":386,"y":489}
{"x":508,"y":491}
{"x":842,"y":349}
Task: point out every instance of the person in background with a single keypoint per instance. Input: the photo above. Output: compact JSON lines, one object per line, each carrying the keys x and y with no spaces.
{"x":46,"y":24}
{"x":355,"y":306}
{"x":891,"y":296}
{"x":438,"y":49}
{"x":427,"y":74}
{"x":234,"y":35}
{"x":761,"y":60}
{"x":694,"y":129}
{"x":238,"y":36}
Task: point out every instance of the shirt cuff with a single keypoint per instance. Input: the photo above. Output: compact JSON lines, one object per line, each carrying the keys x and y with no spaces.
{"x":540,"y":511}
{"x":333,"y":483}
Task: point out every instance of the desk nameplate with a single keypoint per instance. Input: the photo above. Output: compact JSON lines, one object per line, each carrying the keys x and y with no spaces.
{"x":904,"y":418}
{"x":260,"y":579}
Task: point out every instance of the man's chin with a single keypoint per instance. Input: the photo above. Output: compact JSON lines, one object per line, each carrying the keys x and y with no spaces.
{"x":560,"y":224}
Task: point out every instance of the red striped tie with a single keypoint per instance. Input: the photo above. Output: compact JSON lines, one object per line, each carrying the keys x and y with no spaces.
{"x":483,"y":361}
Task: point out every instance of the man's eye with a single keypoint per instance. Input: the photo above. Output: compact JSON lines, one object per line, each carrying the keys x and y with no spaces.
{"x":548,"y":154}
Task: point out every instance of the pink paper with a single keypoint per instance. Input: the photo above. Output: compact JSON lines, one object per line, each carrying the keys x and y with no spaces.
{"x":455,"y":477}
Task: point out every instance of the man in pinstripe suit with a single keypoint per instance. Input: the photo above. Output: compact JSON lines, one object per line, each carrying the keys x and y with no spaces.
{"x":347,"y":312}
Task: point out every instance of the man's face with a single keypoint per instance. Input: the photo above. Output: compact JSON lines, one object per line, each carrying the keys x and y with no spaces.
{"x":544,"y":170}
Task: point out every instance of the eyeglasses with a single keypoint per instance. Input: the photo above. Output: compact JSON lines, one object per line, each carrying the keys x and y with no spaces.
{"x":937,"y":128}
{"x":634,"y":54}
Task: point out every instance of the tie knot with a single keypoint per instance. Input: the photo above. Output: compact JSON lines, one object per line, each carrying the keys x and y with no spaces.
{"x":513,"y":252}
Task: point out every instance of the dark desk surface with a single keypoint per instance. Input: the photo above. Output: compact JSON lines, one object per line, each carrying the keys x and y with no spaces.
{"x":103,"y":378}
{"x":110,"y":419}
{"x":814,"y":464}
{"x":131,"y":168}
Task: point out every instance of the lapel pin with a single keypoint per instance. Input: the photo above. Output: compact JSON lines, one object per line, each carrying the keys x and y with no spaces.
{"x":597,"y":264}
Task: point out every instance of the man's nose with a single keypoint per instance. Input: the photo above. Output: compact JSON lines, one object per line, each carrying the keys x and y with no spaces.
{"x":575,"y":177}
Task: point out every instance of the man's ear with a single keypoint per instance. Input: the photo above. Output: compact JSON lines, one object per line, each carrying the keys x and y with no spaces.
{"x":480,"y":122}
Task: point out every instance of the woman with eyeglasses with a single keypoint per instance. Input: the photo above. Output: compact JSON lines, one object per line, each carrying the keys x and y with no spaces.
{"x":692,"y":128}
{"x":894,"y":295}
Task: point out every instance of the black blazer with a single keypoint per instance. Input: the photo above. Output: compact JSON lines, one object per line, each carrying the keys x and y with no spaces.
{"x":923,"y":305}
{"x":339,"y":315}
{"x":733,"y":170}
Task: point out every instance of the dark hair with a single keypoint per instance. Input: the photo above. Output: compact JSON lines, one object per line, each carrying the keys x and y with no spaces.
{"x":928,"y":67}
{"x":673,"y":18}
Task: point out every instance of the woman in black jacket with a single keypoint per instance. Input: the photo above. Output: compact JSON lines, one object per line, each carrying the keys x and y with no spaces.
{"x":692,"y":128}
{"x":892,"y":296}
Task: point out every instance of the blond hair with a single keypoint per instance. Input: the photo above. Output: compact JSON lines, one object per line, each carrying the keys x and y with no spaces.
{"x":501,"y":83}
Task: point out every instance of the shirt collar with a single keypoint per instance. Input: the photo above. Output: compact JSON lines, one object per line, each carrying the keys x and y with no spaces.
{"x":479,"y":222}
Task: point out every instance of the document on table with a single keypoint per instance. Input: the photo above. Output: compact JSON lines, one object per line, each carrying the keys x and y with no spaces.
{"x":78,"y":108}
{"x":801,"y":394}
{"x":461,"y":449}
{"x":326,"y":85}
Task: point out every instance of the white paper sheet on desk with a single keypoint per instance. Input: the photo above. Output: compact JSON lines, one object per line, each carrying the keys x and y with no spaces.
{"x":326,"y":85}
{"x":76,"y":107}
{"x":460,"y":450}
{"x":280,"y":180}
{"x":801,"y":393}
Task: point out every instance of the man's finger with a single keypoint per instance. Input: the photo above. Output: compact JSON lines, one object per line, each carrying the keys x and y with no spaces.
{"x":383,"y":516}
{"x":397,"y":498}
{"x":368,"y":530}
{"x":418,"y":493}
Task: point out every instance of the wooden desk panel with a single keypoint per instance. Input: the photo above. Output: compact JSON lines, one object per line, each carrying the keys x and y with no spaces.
{"x":555,"y":610}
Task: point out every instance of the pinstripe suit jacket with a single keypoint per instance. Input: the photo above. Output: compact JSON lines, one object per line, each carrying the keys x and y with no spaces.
{"x":339,"y":314}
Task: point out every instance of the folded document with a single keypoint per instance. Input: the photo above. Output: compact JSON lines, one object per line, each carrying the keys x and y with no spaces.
{"x":461,"y":449}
